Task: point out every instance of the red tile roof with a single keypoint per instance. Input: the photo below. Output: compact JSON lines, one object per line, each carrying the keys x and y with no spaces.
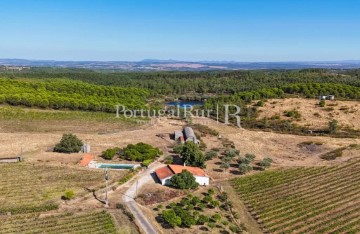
{"x":193,"y":170}
{"x":163,"y":172}
{"x":86,"y":160}
{"x":169,"y":170}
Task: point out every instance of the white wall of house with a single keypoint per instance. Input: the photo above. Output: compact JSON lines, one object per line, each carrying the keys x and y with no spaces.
{"x":202,"y":180}
{"x":166,"y":181}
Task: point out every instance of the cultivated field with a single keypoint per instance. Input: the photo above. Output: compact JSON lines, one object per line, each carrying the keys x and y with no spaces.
{"x":31,"y":188}
{"x":312,"y":115}
{"x":304,"y":200}
{"x":94,"y":222}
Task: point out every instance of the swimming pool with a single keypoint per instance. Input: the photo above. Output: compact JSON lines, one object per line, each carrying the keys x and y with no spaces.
{"x":115,"y":166}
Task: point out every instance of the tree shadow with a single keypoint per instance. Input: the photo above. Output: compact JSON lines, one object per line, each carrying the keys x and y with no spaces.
{"x":235,"y":172}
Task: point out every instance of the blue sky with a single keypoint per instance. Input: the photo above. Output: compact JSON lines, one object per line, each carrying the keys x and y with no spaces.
{"x":241,"y":30}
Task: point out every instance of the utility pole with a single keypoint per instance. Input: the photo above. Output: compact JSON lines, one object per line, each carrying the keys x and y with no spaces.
{"x":106,"y":189}
{"x":136,"y":191}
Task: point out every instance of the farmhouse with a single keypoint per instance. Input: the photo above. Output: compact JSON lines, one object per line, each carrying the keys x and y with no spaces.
{"x":186,"y":135}
{"x":165,"y":173}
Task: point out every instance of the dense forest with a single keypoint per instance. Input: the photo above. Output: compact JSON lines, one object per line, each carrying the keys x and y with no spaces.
{"x":195,"y":84}
{"x":81,"y":89}
{"x":74,"y":95}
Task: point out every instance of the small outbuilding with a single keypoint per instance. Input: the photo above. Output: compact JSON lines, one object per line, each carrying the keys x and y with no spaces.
{"x":164,"y":174}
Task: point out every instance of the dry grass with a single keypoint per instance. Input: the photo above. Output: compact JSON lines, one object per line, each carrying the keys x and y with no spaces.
{"x":282,"y":148}
{"x":312,"y":115}
{"x":26,"y":186}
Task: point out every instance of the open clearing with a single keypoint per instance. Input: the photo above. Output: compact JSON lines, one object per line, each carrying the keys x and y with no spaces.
{"x":312,"y":115}
{"x":304,"y":200}
{"x":284,"y":149}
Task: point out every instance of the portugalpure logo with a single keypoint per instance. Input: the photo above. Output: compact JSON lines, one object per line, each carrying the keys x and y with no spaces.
{"x":230,"y":112}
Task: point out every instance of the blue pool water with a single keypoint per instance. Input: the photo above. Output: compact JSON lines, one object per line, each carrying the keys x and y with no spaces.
{"x":183,"y":104}
{"x":115,"y":166}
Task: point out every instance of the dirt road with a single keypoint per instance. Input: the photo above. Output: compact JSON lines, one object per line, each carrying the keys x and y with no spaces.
{"x":142,"y":179}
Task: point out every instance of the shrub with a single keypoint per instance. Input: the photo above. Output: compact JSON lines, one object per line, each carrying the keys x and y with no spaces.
{"x":216,"y":217}
{"x":169,"y":160}
{"x":178,"y":148}
{"x":68,"y":195}
{"x":293,"y":113}
{"x":195,"y":201}
{"x":69,"y":144}
{"x":333,"y":126}
{"x":332,"y":154}
{"x":260,"y":103}
{"x":210,"y":155}
{"x":184,"y":180}
{"x":265,"y":163}
{"x":146,"y":163}
{"x":211,"y":192}
{"x":322,"y":103}
{"x":244,"y":168}
{"x":231,"y":153}
{"x":235,"y":229}
{"x":141,"y":152}
{"x":109,"y":153}
{"x":247,"y":159}
{"x":214,"y":204}
{"x":171,"y":218}
{"x":202,"y":220}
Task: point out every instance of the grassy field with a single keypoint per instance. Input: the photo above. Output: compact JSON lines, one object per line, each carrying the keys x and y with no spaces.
{"x":20,"y":119}
{"x":304,"y":200}
{"x":94,"y":222}
{"x":34,"y":188}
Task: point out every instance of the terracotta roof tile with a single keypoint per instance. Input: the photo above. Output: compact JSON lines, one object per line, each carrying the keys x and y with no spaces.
{"x":163,"y":172}
{"x":193,"y":170}
{"x":86,"y":159}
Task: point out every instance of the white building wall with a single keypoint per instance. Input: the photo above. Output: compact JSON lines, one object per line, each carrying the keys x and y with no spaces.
{"x":201,"y":180}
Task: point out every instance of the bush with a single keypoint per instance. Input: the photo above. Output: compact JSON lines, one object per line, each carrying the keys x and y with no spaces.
{"x":260,"y":103}
{"x":169,"y":160}
{"x":68,"y":195}
{"x":146,"y":163}
{"x":333,"y":154}
{"x":293,"y":113}
{"x":333,"y":126}
{"x":322,"y":103}
{"x":69,"y":144}
{"x":141,"y":152}
{"x":210,"y":155}
{"x":184,"y":180}
{"x":202,"y":220}
{"x":171,"y":218}
{"x":109,"y":153}
{"x":244,"y":168}
{"x":265,"y":163}
{"x":231,"y":153}
{"x":216,"y":217}
{"x":247,"y":159}
{"x":178,"y":148}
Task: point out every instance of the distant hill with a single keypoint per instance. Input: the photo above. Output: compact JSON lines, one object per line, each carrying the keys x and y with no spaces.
{"x":174,"y":65}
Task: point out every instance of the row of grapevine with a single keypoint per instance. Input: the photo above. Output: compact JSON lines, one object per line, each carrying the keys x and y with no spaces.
{"x":34,"y":188}
{"x":304,"y":200}
{"x":91,"y":222}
